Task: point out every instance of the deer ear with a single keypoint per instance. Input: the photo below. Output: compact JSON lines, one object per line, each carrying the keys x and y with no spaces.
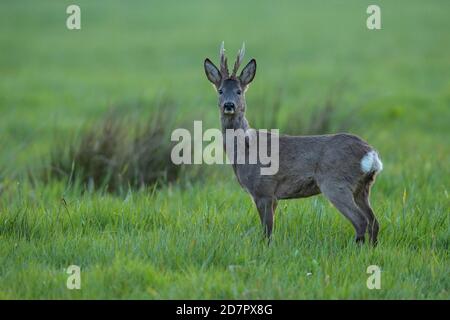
{"x":248,"y":73}
{"x":212,"y":73}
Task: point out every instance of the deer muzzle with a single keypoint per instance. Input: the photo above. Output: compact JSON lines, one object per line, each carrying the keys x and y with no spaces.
{"x":229,"y":108}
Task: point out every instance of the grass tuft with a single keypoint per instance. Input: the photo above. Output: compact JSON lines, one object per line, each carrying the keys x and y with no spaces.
{"x":118,"y":153}
{"x":323,"y":119}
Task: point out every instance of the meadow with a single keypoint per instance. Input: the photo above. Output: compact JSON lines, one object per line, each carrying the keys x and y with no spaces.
{"x":198,"y":236}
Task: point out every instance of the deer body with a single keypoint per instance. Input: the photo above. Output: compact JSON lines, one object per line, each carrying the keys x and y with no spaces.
{"x":340,"y":166}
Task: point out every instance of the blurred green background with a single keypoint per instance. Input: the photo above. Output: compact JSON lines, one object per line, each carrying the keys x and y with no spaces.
{"x":54,"y":79}
{"x":394,"y":83}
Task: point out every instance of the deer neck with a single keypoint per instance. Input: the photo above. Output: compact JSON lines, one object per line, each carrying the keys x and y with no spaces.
{"x":237,"y":122}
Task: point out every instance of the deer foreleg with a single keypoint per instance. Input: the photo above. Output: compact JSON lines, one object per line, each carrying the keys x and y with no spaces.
{"x":266,"y":209}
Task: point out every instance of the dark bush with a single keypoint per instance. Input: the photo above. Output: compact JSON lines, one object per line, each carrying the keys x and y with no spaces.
{"x":119,"y":152}
{"x":321,"y":119}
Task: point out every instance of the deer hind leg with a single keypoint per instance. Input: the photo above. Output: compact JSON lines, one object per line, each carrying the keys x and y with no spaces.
{"x":362,"y":200}
{"x":266,"y":209}
{"x":342,"y":198}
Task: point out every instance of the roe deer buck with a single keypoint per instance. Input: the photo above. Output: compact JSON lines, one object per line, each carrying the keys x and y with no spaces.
{"x":340,"y":166}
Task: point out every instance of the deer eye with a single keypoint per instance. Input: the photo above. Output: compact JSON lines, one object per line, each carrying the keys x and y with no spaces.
{"x":239,"y":92}
{"x":220,"y":91}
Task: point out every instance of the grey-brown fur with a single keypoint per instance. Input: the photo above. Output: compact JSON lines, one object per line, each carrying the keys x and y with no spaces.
{"x":308,"y":165}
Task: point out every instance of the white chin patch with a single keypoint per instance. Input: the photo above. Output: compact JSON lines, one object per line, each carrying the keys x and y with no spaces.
{"x":228,"y":112}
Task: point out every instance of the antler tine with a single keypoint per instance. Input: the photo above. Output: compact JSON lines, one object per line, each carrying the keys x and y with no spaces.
{"x":239,"y":59}
{"x":223,"y":61}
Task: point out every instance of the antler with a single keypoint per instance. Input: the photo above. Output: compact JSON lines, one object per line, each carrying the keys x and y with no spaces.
{"x":239,"y":58}
{"x":223,"y":61}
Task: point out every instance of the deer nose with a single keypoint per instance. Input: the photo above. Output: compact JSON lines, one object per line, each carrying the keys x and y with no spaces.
{"x":228,"y":108}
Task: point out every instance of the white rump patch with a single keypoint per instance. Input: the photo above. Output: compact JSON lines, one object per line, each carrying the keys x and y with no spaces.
{"x":371,"y":162}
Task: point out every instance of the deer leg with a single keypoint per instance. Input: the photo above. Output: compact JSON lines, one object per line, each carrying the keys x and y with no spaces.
{"x":362,"y":200}
{"x":266,"y":208}
{"x":342,"y":199}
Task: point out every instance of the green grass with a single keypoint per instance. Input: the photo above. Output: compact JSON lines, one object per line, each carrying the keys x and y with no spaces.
{"x":202,"y":239}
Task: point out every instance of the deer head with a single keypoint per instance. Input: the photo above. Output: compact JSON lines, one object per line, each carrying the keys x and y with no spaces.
{"x":230,"y":88}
